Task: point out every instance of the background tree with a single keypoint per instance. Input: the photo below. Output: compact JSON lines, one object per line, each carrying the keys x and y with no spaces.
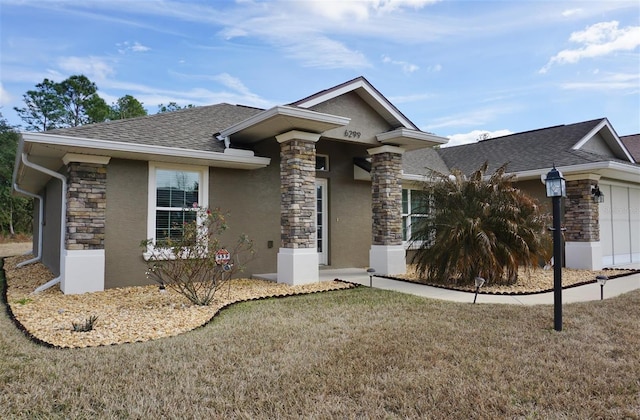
{"x":172,"y":106}
{"x":127,"y":107}
{"x":15,"y":212}
{"x":478,"y":227}
{"x":97,"y":110}
{"x":78,"y":94}
{"x":43,"y":109}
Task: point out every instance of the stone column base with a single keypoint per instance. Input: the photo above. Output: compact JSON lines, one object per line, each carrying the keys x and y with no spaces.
{"x":583,"y":255}
{"x":388,"y":259}
{"x":83,"y":271}
{"x":298,"y":266}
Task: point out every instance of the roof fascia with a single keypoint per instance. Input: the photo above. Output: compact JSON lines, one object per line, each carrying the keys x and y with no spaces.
{"x":359,"y":83}
{"x":286,"y":111}
{"x":604,"y":123}
{"x":575,"y":169}
{"x":136,"y":148}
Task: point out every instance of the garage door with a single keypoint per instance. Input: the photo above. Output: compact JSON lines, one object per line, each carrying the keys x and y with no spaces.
{"x":620,"y":224}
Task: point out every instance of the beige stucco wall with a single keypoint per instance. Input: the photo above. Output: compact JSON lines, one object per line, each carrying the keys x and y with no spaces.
{"x":364,"y":119}
{"x":52,"y":194}
{"x":126,"y":222}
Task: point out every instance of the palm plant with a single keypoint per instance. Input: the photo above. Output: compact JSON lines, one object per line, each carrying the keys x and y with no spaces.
{"x":477,"y":227}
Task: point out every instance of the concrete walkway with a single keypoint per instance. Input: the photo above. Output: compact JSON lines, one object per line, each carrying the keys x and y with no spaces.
{"x":589,"y":292}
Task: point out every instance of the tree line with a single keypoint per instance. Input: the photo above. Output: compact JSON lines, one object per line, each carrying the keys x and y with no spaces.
{"x":71,"y":103}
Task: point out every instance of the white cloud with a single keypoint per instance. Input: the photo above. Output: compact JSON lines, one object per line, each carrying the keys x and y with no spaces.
{"x":609,"y":82}
{"x":322,"y":52}
{"x":95,"y":68}
{"x":571,"y":12}
{"x":363,"y":9}
{"x":232,"y":83}
{"x":125,"y":47}
{"x":474,"y":136}
{"x":5,"y":97}
{"x":597,"y":40}
{"x":406,"y":66}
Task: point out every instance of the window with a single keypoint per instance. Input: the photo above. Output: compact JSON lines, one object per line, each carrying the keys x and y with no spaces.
{"x":174,"y":192}
{"x":322,"y":162}
{"x":413,"y":208}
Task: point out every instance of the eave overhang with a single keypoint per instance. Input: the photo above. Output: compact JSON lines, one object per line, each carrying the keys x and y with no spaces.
{"x":410,"y":139}
{"x":47,"y":150}
{"x":279,"y":120}
{"x":606,"y":169}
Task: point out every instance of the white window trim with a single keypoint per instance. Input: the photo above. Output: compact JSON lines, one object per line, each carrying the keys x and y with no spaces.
{"x":203,"y":198}
{"x":408,"y":244}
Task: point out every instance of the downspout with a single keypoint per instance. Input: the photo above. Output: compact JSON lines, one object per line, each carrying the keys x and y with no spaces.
{"x":63,"y":218}
{"x":38,"y":255}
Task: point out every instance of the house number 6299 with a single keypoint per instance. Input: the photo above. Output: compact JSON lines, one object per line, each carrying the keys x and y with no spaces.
{"x":352,"y":134}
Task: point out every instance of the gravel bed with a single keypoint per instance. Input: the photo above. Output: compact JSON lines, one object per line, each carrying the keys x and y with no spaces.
{"x":131,"y":314}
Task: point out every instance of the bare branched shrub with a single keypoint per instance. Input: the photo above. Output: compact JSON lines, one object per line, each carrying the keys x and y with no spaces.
{"x":193,"y":262}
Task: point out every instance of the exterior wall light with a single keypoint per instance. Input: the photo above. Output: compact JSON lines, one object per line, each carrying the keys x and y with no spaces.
{"x":556,"y":188}
{"x":597,"y":195}
{"x":479,"y":281}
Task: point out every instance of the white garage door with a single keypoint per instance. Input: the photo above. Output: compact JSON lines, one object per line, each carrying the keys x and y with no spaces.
{"x":620,"y":224}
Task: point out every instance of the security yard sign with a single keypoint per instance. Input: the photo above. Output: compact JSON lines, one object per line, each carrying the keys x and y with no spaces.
{"x":222,"y":256}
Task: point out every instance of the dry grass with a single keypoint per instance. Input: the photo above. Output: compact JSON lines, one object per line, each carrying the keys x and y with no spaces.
{"x":360,"y":353}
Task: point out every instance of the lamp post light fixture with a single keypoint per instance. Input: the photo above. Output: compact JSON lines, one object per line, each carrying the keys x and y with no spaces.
{"x":370,"y":271}
{"x":479,"y":283}
{"x":602,"y":280}
{"x":556,"y":189}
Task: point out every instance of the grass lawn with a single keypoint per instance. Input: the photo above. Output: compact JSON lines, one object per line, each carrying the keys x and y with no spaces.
{"x":358,"y":353}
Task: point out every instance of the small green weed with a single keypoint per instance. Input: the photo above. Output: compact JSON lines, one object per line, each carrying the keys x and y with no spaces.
{"x":24,"y":301}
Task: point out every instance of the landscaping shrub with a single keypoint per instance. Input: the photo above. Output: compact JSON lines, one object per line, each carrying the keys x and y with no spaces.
{"x":194,"y":263}
{"x":474,"y":226}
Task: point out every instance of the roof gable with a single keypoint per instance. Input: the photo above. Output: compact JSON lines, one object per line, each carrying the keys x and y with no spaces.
{"x":562,"y":145}
{"x":603,"y":140}
{"x":368,"y":93}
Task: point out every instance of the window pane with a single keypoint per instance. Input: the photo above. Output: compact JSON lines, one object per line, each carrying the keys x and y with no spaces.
{"x":176,"y":188}
{"x":405,"y":201}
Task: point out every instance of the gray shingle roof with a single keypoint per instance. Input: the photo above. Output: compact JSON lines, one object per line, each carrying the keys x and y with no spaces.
{"x":191,"y":128}
{"x":423,"y":162}
{"x":525,"y":151}
{"x":632,"y":143}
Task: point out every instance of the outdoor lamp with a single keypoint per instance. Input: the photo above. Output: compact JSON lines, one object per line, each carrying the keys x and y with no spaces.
{"x":602,"y":280}
{"x":370,"y":271}
{"x":597,"y":195}
{"x":479,"y":283}
{"x":556,"y":188}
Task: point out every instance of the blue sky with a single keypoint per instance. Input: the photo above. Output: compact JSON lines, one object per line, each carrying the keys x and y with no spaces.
{"x":455,"y":68}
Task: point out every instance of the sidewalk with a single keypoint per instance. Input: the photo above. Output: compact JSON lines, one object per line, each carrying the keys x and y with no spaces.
{"x":589,"y":292}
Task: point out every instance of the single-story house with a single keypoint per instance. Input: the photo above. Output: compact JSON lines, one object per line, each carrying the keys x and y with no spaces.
{"x":325,"y":181}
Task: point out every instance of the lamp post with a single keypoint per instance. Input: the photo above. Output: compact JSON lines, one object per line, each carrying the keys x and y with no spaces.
{"x":602,"y":280}
{"x":479,"y":283}
{"x":556,"y":189}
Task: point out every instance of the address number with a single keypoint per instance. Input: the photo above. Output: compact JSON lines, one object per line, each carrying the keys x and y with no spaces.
{"x":352,"y":134}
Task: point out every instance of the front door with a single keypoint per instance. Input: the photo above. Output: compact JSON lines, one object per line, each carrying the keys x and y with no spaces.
{"x":322,"y":237}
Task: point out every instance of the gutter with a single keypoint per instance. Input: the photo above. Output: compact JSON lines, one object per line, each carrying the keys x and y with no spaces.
{"x":63,"y":217}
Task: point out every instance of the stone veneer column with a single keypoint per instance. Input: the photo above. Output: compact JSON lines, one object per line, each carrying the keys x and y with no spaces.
{"x":85,"y":223}
{"x":298,"y":253}
{"x":581,"y":219}
{"x":387,"y":254}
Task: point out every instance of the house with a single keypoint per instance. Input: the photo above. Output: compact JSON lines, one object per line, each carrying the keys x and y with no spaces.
{"x":323,"y":181}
